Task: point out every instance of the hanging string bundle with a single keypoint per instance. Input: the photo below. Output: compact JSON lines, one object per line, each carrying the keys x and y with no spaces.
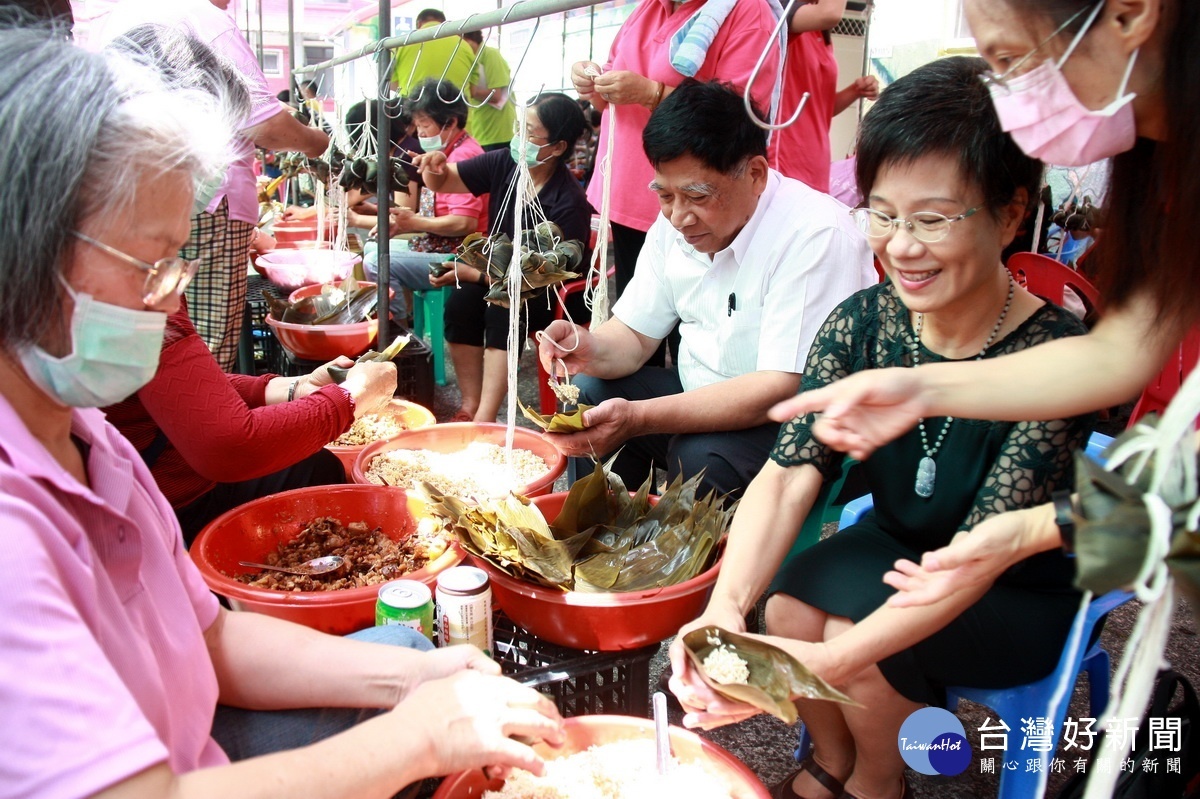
{"x":595,"y":293}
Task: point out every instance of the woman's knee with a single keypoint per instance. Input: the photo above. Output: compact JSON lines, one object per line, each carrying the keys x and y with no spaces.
{"x":788,"y":617}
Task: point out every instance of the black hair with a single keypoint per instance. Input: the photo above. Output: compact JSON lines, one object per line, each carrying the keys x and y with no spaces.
{"x":562,"y":119}
{"x":58,"y":11}
{"x":943,"y":108}
{"x":427,"y":98}
{"x":707,"y":121}
{"x":474,"y":36}
{"x":430,"y":15}
{"x":356,"y":122}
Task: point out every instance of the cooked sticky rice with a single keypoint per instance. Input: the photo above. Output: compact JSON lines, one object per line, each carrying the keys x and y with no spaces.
{"x":479,"y":470}
{"x":619,"y":770}
{"x":726,"y":666}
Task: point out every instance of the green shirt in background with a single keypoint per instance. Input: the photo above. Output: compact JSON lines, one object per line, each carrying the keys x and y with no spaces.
{"x":432,"y":62}
{"x":489,"y":124}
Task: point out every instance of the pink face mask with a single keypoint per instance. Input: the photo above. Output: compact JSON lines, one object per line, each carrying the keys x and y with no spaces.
{"x":1047,"y":121}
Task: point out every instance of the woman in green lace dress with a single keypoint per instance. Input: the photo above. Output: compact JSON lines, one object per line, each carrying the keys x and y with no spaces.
{"x":946,"y":190}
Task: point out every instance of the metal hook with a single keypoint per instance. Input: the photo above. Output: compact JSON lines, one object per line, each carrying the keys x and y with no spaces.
{"x":775,"y":35}
{"x":436,"y":34}
{"x":462,"y":92}
{"x":537,"y":23}
{"x":446,"y":71}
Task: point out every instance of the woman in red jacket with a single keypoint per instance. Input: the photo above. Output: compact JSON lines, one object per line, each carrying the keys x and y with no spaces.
{"x":214,"y":440}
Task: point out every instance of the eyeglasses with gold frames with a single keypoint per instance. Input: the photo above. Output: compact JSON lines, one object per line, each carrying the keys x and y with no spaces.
{"x":165,"y":278}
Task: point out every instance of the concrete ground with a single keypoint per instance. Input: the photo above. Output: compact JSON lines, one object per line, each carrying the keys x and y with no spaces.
{"x":766,"y":744}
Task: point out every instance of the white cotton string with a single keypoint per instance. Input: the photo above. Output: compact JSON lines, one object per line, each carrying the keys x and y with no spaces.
{"x":521,"y":191}
{"x":340,"y":237}
{"x":1170,"y":447}
{"x":1144,"y":649}
{"x":319,"y":202}
{"x":595,"y":292}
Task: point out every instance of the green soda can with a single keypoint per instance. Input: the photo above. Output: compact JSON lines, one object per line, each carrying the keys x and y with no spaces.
{"x":407,"y":602}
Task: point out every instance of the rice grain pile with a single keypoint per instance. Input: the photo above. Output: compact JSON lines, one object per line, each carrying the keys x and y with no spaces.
{"x":368,"y":428}
{"x":619,"y":770}
{"x":480,"y":470}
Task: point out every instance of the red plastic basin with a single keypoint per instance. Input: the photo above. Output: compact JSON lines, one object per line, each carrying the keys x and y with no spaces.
{"x":254,"y":530}
{"x":586,"y":731}
{"x":300,"y":231}
{"x":324,"y":342}
{"x":412,"y":415}
{"x":599,"y":622}
{"x":455,"y":436}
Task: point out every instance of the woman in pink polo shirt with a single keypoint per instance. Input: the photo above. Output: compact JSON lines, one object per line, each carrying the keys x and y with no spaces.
{"x":644,"y":65}
{"x":115,"y":653}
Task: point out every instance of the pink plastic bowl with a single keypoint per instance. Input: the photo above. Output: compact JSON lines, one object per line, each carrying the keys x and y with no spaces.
{"x":598,"y":622}
{"x":586,"y":731}
{"x":412,"y":415}
{"x":254,"y":530}
{"x":293,"y":268}
{"x":455,"y":436}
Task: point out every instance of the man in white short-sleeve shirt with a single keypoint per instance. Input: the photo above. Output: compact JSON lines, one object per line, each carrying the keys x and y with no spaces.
{"x":749,"y":263}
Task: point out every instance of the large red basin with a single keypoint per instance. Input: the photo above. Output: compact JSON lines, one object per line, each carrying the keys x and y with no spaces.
{"x":252,"y":531}
{"x":455,"y":436}
{"x":599,"y":622}
{"x":586,"y":731}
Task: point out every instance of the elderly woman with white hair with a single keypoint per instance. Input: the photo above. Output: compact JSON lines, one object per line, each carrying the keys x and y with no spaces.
{"x":115,"y":654}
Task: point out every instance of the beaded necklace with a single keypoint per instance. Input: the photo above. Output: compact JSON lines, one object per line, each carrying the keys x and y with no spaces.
{"x":927,"y":468}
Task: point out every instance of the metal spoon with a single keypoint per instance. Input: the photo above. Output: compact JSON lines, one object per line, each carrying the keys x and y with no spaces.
{"x":662,"y":740}
{"x":314,"y":566}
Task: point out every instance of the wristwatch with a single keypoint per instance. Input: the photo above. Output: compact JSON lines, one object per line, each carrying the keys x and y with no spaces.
{"x":1064,"y":517}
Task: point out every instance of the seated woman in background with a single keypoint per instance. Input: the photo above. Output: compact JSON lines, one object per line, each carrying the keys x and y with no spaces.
{"x":443,"y":218}
{"x":946,"y":190}
{"x":478,"y":331}
{"x":115,"y":653}
{"x":215,"y":440}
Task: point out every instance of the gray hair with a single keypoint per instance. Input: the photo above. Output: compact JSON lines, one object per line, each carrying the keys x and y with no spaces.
{"x":80,"y":132}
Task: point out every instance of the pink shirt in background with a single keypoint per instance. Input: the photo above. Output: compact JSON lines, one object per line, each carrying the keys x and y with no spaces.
{"x":642,"y":45}
{"x":217,"y":29}
{"x":104,"y":670}
{"x":445,"y":203}
{"x":801,"y":150}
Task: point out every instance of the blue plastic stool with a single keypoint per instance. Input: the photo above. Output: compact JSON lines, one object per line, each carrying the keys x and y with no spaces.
{"x":429,"y":322}
{"x":1033,"y":699}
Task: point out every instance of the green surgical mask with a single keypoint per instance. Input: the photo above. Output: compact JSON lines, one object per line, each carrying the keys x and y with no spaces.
{"x":531,"y":152}
{"x":114,"y":352}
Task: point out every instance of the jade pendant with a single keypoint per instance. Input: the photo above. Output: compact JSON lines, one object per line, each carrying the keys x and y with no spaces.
{"x":926,"y":474}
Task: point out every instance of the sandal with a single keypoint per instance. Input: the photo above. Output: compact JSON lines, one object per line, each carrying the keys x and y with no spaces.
{"x":905,"y":791}
{"x":783,"y":790}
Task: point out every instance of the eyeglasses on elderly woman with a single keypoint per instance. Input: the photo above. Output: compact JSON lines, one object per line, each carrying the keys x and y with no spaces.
{"x":928,"y":227}
{"x":165,"y":278}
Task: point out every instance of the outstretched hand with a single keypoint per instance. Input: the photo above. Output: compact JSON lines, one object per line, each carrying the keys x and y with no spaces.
{"x":862,"y":412}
